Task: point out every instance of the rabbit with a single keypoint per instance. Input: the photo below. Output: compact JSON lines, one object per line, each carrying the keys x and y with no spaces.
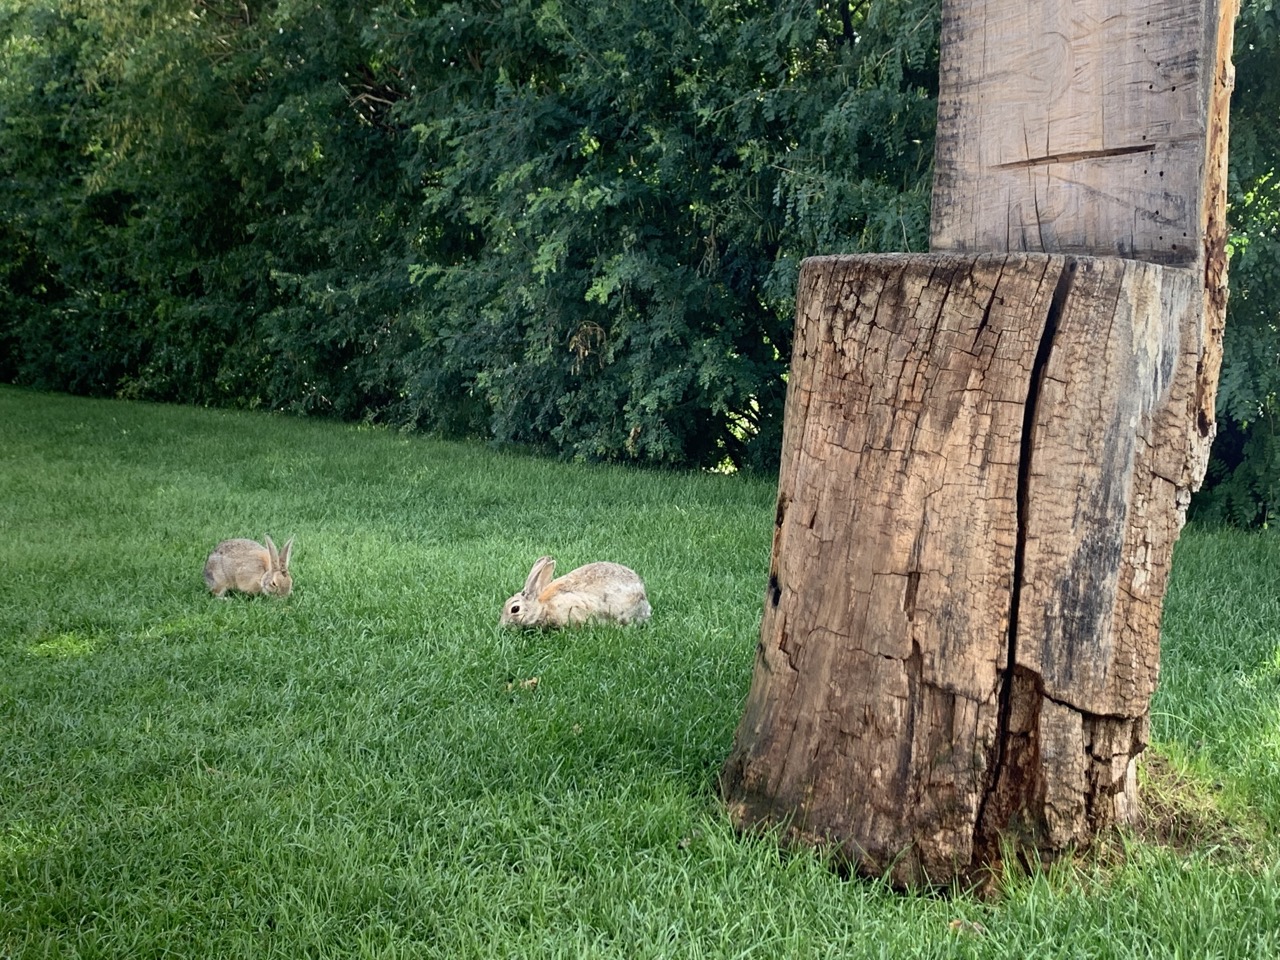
{"x":248,"y":566}
{"x":599,"y":591}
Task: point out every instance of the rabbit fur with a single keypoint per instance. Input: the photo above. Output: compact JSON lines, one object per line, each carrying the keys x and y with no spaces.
{"x":249,"y":567}
{"x":596,"y":592}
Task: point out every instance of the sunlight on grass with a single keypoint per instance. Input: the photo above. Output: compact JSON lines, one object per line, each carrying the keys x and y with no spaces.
{"x":65,"y":645}
{"x":369,"y":768}
{"x":21,"y":841}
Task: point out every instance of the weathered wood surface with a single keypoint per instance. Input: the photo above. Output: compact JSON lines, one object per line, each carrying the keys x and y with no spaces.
{"x":988,"y":451}
{"x":979,"y":465}
{"x":1079,"y":127}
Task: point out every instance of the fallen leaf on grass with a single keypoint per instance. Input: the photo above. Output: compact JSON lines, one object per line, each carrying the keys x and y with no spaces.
{"x":530,"y":684}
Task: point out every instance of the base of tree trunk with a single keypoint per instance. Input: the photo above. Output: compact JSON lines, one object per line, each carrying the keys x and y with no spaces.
{"x":986,"y":462}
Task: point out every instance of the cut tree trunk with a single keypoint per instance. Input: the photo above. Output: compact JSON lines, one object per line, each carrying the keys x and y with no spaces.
{"x":972,"y":541}
{"x":987,"y":456}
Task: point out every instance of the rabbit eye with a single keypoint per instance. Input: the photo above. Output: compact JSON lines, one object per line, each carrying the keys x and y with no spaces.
{"x":515,"y":608}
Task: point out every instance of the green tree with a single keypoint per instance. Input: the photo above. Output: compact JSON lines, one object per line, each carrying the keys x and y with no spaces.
{"x":625,"y":258}
{"x":1243,"y":486}
{"x":568,"y":225}
{"x":203,"y":207}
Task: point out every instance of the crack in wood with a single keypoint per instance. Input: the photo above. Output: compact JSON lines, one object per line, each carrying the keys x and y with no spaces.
{"x":909,"y":595}
{"x":1039,"y":367}
{"x":1076,"y":156}
{"x":1089,"y":715}
{"x":986,"y":315}
{"x":784,"y":647}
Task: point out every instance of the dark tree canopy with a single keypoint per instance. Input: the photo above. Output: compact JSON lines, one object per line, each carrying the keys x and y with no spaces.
{"x":1244,"y":474}
{"x":561,"y":224}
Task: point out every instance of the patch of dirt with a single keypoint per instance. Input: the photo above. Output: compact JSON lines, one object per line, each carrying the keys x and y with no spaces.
{"x":1192,"y":815}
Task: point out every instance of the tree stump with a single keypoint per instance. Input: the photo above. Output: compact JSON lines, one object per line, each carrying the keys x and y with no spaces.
{"x":987,"y":457}
{"x":961,"y":628}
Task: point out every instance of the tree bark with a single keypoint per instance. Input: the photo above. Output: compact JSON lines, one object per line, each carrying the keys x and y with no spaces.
{"x":988,"y":452}
{"x":961,"y":628}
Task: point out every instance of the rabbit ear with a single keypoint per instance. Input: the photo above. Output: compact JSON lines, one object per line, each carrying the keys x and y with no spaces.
{"x":271,"y":552}
{"x":284,"y":555}
{"x":539,"y":576}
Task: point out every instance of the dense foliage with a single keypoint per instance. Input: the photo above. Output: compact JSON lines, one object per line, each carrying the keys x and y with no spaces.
{"x":1244,"y":475}
{"x":566,"y":224}
{"x":557,"y":223}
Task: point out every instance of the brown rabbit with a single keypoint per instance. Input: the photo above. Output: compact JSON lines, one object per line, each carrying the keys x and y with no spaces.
{"x":248,"y":566}
{"x":599,"y":591}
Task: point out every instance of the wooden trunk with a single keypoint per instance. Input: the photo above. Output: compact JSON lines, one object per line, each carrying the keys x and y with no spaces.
{"x":989,"y":449}
{"x":976,"y":513}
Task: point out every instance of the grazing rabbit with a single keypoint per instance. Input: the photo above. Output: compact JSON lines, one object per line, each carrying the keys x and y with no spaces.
{"x":600,"y":591}
{"x":248,"y":566}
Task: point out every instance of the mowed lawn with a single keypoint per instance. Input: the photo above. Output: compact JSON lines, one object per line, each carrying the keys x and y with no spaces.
{"x":373,"y":768}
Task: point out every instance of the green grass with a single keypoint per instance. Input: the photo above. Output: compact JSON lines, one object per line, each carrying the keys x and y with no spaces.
{"x":359,"y":771}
